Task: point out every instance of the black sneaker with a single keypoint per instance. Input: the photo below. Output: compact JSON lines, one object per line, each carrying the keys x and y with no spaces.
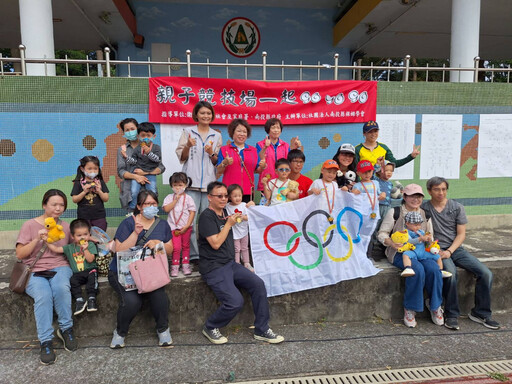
{"x":214,"y":335}
{"x":269,"y":336}
{"x":80,"y":306}
{"x":488,"y":322}
{"x":91,"y":304}
{"x":69,"y":340}
{"x":451,"y":323}
{"x":47,"y":355}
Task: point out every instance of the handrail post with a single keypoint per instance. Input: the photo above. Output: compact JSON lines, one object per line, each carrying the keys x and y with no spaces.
{"x":264,"y":68}
{"x":475,"y":73}
{"x":107,"y":60}
{"x":336,"y":58}
{"x":22,"y":57}
{"x":406,"y":73}
{"x":189,"y":71}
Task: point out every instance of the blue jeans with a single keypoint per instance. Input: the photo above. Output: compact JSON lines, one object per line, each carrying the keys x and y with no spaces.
{"x":463,"y":259}
{"x":151,"y":186}
{"x":50,"y":294}
{"x":428,"y":276}
{"x":225,"y":283}
{"x":201,"y":202}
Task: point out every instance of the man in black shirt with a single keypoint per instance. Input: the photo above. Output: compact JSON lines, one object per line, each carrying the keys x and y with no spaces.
{"x":218,"y":268}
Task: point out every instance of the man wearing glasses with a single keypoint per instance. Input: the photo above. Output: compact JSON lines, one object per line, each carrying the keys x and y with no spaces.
{"x":449,"y":222}
{"x":225,"y":277}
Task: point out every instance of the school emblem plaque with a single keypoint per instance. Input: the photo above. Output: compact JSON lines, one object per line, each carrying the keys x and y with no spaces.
{"x":241,"y":37}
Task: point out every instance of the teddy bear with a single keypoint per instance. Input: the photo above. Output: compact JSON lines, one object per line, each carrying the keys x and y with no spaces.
{"x":55,"y":232}
{"x":293,"y":186}
{"x":402,"y":237}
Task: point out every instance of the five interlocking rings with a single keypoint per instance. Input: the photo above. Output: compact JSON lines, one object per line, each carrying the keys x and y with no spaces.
{"x":313,"y":239}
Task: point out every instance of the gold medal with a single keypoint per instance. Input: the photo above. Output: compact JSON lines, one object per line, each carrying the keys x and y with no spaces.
{"x":373,"y":215}
{"x":331,"y":219}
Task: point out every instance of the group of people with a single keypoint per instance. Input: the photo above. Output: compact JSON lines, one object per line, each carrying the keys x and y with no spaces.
{"x":207,"y":220}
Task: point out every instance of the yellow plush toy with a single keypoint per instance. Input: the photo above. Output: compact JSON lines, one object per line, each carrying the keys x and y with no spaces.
{"x":402,"y":237}
{"x":293,"y":186}
{"x":55,"y":232}
{"x":433,"y":248}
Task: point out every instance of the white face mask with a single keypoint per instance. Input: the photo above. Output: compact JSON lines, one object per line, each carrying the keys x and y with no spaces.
{"x":91,"y":175}
{"x":179,"y":190}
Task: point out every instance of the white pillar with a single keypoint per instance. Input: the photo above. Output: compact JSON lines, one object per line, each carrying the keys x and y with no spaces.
{"x":465,"y":38}
{"x":36,"y":24}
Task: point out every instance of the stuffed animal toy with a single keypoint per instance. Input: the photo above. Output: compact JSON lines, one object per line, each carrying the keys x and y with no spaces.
{"x":402,"y":237}
{"x":433,"y":248}
{"x":55,"y":232}
{"x":397,"y":191}
{"x":293,"y":186}
{"x":350,"y":175}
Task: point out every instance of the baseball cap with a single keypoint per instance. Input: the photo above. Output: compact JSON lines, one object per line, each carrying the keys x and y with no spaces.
{"x":369,"y":125}
{"x":413,"y":217}
{"x":330,"y":164}
{"x":413,"y":189}
{"x":387,"y":162}
{"x":364,"y":166}
{"x":346,"y":147}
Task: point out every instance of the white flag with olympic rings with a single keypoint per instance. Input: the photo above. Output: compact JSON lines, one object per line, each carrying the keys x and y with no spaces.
{"x":301,"y":245}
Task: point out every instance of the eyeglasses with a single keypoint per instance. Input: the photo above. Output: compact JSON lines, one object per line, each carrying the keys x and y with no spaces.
{"x":297,"y":161}
{"x":283,"y":169}
{"x":220,"y":196}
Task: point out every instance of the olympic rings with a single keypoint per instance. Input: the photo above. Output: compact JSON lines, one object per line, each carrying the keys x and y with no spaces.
{"x":351,"y":245}
{"x":304,"y":225}
{"x":277,"y":253}
{"x":295,"y":262}
{"x":339,"y":226}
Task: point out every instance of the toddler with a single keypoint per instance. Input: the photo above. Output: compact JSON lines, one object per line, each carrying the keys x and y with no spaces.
{"x":90,"y":192}
{"x":241,"y":228}
{"x":81,"y":254}
{"x":326,"y":184}
{"x":365,"y":172}
{"x":276,"y":191}
{"x":181,"y":211}
{"x":418,"y":238}
{"x":146,"y":157}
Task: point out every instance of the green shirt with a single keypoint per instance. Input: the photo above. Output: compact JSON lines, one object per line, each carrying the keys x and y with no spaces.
{"x":76,"y":258}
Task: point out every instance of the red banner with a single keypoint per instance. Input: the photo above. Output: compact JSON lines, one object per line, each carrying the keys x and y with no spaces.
{"x":171,"y":100}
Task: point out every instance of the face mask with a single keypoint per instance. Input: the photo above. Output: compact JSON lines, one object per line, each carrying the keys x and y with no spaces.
{"x":130,"y":135}
{"x":147,"y":140}
{"x":179,"y":190}
{"x":150,"y":212}
{"x":91,"y":175}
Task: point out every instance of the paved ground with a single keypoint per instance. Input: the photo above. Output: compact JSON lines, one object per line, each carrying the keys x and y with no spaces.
{"x":319,"y":348}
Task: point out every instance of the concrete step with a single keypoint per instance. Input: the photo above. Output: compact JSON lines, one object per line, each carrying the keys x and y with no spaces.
{"x":191,"y":301}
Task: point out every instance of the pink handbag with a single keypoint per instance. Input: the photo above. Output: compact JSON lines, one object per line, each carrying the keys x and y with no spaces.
{"x":151,"y":271}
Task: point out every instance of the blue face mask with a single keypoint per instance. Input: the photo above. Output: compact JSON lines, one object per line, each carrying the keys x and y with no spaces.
{"x":131,"y":135}
{"x":147,"y":140}
{"x":150,"y":212}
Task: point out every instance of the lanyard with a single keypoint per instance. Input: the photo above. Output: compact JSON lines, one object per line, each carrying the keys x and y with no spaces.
{"x":182,"y":210}
{"x":373,"y":215}
{"x":329,"y":206}
{"x":246,"y":171}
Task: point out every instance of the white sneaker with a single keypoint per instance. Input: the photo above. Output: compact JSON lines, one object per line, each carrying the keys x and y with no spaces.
{"x":446,"y":274}
{"x":409,"y":318}
{"x":164,"y":338}
{"x":408,"y":272}
{"x":117,"y":341}
{"x":437,"y":316}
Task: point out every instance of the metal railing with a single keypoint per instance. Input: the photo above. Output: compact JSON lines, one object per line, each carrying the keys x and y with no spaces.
{"x":357,"y":71}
